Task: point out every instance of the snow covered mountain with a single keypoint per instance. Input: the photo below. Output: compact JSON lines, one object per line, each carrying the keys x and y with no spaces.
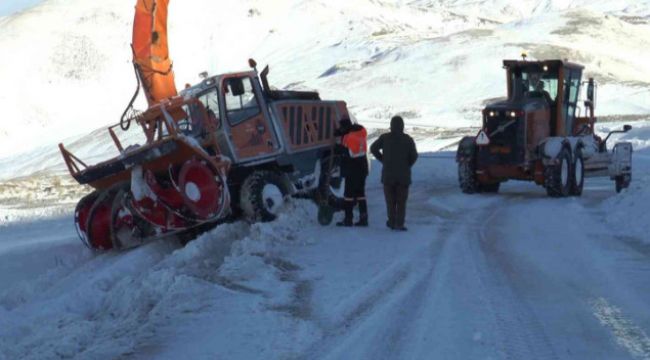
{"x":66,"y":63}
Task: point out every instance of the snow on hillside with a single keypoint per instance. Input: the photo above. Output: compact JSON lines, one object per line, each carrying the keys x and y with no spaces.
{"x":436,"y":62}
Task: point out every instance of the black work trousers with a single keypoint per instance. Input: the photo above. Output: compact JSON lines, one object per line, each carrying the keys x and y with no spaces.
{"x":396,"y":197}
{"x":355,"y":187}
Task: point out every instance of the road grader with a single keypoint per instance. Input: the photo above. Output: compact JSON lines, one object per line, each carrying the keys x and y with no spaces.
{"x":537,"y":134}
{"x":229,"y":146}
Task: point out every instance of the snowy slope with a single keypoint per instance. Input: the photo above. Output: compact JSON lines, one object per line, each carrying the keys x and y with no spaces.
{"x":435,"y":61}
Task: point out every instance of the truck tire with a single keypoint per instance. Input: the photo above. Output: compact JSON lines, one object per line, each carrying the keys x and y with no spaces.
{"x":557,"y":177}
{"x":467,"y":177}
{"x":466,"y":157}
{"x":331,"y":192}
{"x":577,"y":174}
{"x":262,"y":195}
{"x":469,"y":182}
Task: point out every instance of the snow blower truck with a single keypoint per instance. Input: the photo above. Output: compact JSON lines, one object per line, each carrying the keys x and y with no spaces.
{"x":538,"y":135}
{"x":227,"y":147}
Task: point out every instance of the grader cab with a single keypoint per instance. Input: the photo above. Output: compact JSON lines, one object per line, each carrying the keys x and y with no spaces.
{"x":539,"y":133}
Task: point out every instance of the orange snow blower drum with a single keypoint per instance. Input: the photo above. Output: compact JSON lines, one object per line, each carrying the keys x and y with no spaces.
{"x":151,"y":50}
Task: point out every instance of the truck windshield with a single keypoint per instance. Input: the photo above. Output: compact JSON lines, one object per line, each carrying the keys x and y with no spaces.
{"x":210,"y":99}
{"x":201,"y":117}
{"x":534,"y":82}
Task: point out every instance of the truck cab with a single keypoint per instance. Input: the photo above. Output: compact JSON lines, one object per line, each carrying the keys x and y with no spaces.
{"x":256,"y":126}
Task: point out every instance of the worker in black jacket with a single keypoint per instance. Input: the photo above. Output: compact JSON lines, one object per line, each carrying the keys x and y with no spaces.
{"x":354,"y":167}
{"x":397,"y":152}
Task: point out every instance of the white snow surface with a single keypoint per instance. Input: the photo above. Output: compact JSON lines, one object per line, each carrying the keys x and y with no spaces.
{"x":509,"y":276}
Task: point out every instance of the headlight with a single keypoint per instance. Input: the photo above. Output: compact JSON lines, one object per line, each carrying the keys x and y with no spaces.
{"x":492,"y":114}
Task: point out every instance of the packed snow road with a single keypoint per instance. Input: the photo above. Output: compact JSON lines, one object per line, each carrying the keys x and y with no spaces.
{"x":509,"y":276}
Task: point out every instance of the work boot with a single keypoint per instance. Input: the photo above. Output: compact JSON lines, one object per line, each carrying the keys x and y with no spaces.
{"x":347,"y":221}
{"x":389,"y":225}
{"x":363,"y":214}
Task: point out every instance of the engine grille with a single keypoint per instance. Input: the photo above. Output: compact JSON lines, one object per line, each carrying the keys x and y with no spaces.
{"x":507,"y":147}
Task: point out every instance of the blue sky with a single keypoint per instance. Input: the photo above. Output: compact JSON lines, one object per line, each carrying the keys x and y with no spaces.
{"x":8,"y":7}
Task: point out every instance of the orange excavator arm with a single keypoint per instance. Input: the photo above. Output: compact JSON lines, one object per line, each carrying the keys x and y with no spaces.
{"x":151,"y":50}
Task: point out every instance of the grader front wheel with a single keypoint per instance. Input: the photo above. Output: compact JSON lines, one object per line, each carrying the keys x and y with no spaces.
{"x":557,"y":177}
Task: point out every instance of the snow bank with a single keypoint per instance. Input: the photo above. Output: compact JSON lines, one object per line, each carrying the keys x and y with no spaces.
{"x":639,"y":136}
{"x":107,"y":306}
{"x":628,"y":213}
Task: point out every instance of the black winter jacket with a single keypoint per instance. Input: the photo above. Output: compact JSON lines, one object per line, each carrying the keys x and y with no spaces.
{"x":397,"y":152}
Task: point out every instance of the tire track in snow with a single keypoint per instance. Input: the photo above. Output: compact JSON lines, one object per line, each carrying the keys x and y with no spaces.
{"x":334,"y":332}
{"x":519,"y":331}
{"x":401,"y":312}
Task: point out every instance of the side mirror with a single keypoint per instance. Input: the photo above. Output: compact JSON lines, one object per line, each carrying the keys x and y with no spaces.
{"x":252,"y":63}
{"x":626,"y":128}
{"x":591,"y":90}
{"x":236,"y":86}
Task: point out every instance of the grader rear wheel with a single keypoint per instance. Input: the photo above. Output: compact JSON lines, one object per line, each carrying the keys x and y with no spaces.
{"x":577,"y":174}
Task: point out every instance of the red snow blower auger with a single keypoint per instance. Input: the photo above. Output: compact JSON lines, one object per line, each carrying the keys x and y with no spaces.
{"x":173,"y":182}
{"x":169,"y":185}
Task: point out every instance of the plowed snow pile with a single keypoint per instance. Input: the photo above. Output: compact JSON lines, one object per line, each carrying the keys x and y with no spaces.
{"x":110,"y":305}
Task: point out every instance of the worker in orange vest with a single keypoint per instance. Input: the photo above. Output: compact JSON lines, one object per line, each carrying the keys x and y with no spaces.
{"x":354,"y":167}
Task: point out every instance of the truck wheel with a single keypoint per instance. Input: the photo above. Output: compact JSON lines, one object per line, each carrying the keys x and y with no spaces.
{"x":262,"y":195}
{"x":557,"y":177}
{"x":623,"y":182}
{"x":332,"y":190}
{"x":578,"y":174}
{"x":467,"y":177}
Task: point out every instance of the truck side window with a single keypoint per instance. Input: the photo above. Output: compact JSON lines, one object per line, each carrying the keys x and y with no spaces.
{"x":241,"y":102}
{"x":572,"y":89}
